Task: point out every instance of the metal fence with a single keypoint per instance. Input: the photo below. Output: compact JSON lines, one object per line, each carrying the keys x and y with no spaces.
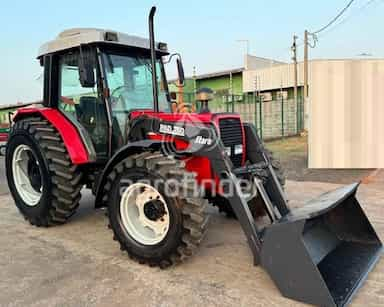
{"x":276,"y":118}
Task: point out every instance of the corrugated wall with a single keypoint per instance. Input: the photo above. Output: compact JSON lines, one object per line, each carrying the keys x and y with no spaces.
{"x":346,"y":114}
{"x":271,"y":78}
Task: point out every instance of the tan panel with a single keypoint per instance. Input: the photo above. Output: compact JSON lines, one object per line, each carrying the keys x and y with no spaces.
{"x":271,"y":78}
{"x":346,"y":106}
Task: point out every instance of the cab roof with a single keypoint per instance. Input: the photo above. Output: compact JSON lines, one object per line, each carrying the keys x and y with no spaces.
{"x":75,"y":37}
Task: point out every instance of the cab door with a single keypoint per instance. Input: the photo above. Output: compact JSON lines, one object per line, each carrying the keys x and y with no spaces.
{"x":83,"y":105}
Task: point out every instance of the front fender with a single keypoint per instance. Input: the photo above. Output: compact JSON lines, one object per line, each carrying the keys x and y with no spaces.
{"x":129,"y":149}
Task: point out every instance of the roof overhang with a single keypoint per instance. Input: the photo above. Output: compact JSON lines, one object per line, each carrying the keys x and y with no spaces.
{"x":75,"y":37}
{"x":219,"y":74}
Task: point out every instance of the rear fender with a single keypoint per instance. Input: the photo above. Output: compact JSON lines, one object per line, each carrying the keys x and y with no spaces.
{"x":75,"y":138}
{"x":126,"y":151}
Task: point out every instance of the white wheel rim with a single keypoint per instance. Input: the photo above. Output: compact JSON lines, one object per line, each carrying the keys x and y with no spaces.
{"x":20,"y":160}
{"x":135,"y":202}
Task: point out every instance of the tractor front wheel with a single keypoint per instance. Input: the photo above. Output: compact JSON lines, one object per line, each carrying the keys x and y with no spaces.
{"x":43,"y":182}
{"x":153,"y":211}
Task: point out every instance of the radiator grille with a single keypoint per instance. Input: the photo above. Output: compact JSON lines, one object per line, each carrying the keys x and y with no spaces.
{"x":231,"y":134}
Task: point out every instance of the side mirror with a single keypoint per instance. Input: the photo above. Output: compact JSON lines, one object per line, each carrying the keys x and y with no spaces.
{"x":180,"y":70}
{"x":86,"y":70}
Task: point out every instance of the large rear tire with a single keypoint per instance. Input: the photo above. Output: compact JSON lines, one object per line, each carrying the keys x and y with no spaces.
{"x":154,"y":227}
{"x":41,"y":177}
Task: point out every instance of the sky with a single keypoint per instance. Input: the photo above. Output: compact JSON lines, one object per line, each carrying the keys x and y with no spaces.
{"x":206,"y":33}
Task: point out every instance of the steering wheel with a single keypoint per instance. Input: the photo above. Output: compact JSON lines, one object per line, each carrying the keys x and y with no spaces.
{"x":117,"y":98}
{"x":119,"y":88}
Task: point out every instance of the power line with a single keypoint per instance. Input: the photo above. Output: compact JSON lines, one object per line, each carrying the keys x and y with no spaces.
{"x":285,"y":51}
{"x":359,"y":11}
{"x":336,"y":18}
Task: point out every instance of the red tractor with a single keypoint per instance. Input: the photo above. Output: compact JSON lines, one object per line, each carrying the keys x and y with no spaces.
{"x":106,"y":123}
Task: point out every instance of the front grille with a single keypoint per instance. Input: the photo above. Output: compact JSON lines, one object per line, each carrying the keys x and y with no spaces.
{"x":231,"y":134}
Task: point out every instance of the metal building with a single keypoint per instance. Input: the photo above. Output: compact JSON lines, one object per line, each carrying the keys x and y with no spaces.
{"x":343,"y":113}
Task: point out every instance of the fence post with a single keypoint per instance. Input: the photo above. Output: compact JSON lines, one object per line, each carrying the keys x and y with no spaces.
{"x":261,"y":116}
{"x":282,"y":115}
{"x":302,"y":121}
{"x":255,"y":104}
{"x":300,"y":114}
{"x":233,"y":103}
{"x":297,"y":115}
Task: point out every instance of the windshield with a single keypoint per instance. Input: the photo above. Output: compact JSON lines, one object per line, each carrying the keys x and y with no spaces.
{"x":129,"y":79}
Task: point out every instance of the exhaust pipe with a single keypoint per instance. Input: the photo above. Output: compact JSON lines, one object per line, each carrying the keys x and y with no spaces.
{"x":153,"y":58}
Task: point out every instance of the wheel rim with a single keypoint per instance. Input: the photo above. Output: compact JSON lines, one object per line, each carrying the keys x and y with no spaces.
{"x":144,"y":214}
{"x":27,"y":175}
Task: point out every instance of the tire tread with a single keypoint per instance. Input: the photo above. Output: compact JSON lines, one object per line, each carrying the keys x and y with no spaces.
{"x":65,"y":177}
{"x":192,"y":208}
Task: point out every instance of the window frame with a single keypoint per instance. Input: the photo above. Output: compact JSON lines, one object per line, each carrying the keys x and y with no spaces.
{"x":100,"y":94}
{"x":134,"y":51}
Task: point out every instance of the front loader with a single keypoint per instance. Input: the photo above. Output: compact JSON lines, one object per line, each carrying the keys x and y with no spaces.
{"x":106,"y":123}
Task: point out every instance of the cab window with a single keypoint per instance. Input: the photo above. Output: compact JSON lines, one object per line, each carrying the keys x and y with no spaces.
{"x":80,"y":104}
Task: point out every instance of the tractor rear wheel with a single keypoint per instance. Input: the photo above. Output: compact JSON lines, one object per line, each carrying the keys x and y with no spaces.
{"x":42,"y":179}
{"x":153,"y":211}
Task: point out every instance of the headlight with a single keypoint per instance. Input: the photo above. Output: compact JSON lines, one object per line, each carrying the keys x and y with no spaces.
{"x":238,"y":149}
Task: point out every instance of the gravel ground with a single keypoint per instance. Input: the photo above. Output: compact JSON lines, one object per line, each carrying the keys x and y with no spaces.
{"x":3,"y":179}
{"x":78,"y":264}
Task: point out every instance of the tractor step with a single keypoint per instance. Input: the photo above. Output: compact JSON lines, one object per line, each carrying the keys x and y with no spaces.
{"x":321,"y":253}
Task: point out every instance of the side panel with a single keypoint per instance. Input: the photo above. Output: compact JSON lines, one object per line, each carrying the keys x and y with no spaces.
{"x":200,"y":165}
{"x":71,"y":137}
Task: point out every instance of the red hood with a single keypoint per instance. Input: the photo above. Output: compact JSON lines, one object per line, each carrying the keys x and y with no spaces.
{"x":205,"y":118}
{"x":174,"y":117}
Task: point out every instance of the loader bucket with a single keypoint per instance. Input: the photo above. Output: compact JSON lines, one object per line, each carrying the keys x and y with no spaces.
{"x":321,"y":253}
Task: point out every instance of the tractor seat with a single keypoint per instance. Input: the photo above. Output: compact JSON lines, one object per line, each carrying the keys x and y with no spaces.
{"x":89,"y":111}
{"x":92,"y":116}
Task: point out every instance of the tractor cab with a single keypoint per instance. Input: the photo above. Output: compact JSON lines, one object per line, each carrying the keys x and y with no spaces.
{"x":97,"y":77}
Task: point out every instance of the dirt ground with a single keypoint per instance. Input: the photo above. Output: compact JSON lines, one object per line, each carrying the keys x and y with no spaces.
{"x":293,"y":154}
{"x":78,"y":264}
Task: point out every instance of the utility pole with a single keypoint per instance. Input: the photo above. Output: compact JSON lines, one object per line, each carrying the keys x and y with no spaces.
{"x":306,"y":64}
{"x":247,"y":44}
{"x":194,"y":80}
{"x":294,"y":58}
{"x":194,"y":89}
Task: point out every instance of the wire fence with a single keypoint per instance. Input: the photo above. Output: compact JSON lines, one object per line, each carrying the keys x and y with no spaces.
{"x":276,"y":118}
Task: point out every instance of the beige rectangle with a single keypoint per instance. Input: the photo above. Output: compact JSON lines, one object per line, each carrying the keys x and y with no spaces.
{"x":346,"y":114}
